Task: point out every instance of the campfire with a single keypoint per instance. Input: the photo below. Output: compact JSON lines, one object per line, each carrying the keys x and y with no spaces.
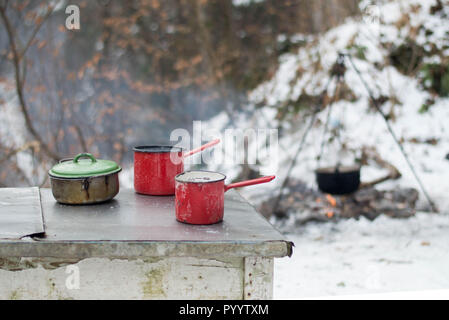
{"x":307,"y":204}
{"x":333,"y":204}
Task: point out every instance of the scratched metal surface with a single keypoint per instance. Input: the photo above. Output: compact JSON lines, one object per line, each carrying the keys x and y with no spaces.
{"x":134,"y":217}
{"x":20,"y":213}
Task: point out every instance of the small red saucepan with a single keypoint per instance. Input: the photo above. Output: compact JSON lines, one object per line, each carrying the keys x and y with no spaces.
{"x":155,"y":167}
{"x":199,"y":195}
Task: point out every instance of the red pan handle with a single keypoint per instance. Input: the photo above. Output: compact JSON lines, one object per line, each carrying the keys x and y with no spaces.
{"x":205,"y":146}
{"x":248,"y":182}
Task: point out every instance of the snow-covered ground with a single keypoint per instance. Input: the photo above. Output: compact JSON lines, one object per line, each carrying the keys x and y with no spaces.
{"x":361,"y":257}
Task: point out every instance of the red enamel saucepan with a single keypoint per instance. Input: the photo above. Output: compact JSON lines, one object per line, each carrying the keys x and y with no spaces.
{"x":155,"y":167}
{"x":199,"y":195}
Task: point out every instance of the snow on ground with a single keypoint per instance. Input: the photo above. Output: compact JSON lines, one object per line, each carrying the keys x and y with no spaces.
{"x":360,"y":257}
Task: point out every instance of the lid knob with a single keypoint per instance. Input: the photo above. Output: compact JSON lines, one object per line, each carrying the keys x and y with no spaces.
{"x":84,"y":155}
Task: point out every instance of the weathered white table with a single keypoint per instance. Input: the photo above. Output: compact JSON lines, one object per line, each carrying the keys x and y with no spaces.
{"x":133,"y":248}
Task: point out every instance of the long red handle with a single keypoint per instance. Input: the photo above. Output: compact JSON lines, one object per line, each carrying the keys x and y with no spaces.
{"x":205,"y":146}
{"x":249,"y":182}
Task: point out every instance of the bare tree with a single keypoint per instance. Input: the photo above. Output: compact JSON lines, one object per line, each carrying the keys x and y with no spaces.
{"x":18,"y":57}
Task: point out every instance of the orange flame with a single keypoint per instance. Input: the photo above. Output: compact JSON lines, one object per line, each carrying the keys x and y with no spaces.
{"x":331,"y":200}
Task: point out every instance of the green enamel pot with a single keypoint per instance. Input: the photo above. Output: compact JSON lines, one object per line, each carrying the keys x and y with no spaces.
{"x":84,"y":180}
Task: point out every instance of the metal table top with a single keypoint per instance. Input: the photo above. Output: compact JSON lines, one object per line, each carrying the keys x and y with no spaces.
{"x":134,"y":225}
{"x":20,"y":213}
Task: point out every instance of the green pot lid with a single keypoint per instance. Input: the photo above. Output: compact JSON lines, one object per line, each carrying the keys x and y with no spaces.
{"x":82,"y":168}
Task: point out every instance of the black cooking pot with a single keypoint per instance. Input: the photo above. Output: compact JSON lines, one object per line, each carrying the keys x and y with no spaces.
{"x":338,"y":180}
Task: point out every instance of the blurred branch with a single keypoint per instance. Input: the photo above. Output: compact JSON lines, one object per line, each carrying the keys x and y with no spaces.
{"x":19,"y":79}
{"x":35,"y":31}
{"x":81,"y":137}
{"x":393,"y":172}
{"x":14,"y":166}
{"x":22,"y":174}
{"x":31,"y":144}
